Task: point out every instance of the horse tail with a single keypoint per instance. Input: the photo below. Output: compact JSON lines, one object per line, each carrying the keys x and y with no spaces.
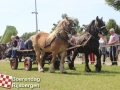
{"x":35,"y":39}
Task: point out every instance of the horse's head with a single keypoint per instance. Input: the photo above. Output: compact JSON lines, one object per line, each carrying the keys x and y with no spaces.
{"x":100,"y":26}
{"x":69,"y":26}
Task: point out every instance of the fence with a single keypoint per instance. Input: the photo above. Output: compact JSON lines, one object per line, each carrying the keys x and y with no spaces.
{"x":107,"y":55}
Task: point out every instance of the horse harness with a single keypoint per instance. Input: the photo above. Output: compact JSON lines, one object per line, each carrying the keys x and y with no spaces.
{"x":83,"y":42}
{"x":59,"y":36}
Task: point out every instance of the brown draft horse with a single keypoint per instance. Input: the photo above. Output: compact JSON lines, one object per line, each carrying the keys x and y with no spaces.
{"x":56,"y":42}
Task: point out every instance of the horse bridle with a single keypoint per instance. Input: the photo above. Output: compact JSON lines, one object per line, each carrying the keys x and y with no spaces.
{"x":67,"y":32}
{"x":98,"y":29}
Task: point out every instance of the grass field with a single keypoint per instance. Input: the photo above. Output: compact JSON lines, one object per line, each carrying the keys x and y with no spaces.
{"x":107,"y":79}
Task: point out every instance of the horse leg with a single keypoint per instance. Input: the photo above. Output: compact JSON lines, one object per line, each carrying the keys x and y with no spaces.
{"x":2,"y":55}
{"x":87,"y":69}
{"x":68,"y":56}
{"x":38,"y":60}
{"x":71,"y":65}
{"x":62,"y":61}
{"x":51,"y":69}
{"x":41,"y":60}
{"x":98,"y":64}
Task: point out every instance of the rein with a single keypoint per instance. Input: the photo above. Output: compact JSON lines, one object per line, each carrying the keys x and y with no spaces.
{"x":98,"y":29}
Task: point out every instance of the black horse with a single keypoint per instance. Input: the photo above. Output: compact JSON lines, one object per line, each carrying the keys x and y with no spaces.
{"x":96,"y":27}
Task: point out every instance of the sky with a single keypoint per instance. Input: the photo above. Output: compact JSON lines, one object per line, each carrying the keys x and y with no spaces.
{"x":18,"y":13}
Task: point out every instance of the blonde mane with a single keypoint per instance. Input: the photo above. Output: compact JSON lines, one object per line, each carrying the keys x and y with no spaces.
{"x":57,"y":29}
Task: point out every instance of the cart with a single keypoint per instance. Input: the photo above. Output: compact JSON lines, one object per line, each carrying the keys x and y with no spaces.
{"x":29,"y":57}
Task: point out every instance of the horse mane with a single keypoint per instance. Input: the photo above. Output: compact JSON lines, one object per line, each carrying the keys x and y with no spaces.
{"x":92,"y":22}
{"x":57,"y":29}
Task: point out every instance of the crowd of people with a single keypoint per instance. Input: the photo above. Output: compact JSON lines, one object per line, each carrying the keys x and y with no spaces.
{"x":113,"y":39}
{"x":17,"y":43}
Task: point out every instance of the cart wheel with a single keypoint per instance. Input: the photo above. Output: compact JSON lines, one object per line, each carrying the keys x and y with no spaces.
{"x":14,"y":63}
{"x":28,"y":64}
{"x":57,"y":64}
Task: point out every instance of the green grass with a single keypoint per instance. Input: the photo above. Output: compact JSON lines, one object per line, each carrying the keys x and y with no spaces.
{"x":107,"y":79}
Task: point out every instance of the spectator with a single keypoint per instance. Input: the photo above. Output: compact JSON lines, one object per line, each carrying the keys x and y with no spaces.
{"x":13,"y":42}
{"x":20,"y":46}
{"x":102,"y":50}
{"x":28,"y":44}
{"x":92,"y":58}
{"x":114,"y":39}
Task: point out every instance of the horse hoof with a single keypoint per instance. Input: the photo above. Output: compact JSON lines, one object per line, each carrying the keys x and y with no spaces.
{"x":41,"y":70}
{"x":52,"y":71}
{"x":64,"y":72}
{"x":87,"y":70}
{"x":73,"y":68}
{"x":97,"y":69}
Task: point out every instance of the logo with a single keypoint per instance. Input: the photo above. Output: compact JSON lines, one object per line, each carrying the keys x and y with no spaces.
{"x":5,"y":81}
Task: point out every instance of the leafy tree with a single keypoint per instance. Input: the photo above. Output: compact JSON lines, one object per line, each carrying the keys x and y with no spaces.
{"x":114,"y":3}
{"x":0,"y":37}
{"x":75,"y":20}
{"x":25,"y":36}
{"x":77,"y":25}
{"x":64,"y":15}
{"x":119,"y":27}
{"x":112,"y":24}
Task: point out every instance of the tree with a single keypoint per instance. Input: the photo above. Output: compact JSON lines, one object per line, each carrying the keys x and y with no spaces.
{"x":75,"y":20}
{"x":112,"y":24}
{"x":119,"y":27}
{"x":114,"y":3}
{"x":77,"y":25}
{"x":64,"y":15}
{"x":26,"y":36}
{"x":0,"y":37}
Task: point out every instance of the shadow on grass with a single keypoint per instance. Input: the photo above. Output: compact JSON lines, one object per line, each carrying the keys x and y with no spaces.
{"x":92,"y":73}
{"x":87,"y":74}
{"x":19,"y":69}
{"x":102,"y":73}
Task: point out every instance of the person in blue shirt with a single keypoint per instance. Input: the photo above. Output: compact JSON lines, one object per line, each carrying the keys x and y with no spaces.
{"x":20,"y":43}
{"x":20,"y":46}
